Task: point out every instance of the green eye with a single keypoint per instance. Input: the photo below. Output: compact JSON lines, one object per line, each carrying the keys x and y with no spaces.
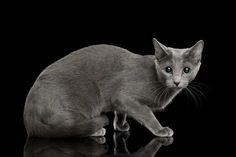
{"x":168,"y":69}
{"x":186,"y":70}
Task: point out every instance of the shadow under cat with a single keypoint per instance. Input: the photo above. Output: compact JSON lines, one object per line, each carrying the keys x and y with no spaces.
{"x":91,"y":147}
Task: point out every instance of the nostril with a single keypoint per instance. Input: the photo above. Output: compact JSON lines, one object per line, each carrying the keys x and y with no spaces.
{"x":176,"y":83}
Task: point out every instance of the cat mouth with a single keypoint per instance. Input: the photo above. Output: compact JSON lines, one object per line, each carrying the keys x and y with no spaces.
{"x":176,"y":87}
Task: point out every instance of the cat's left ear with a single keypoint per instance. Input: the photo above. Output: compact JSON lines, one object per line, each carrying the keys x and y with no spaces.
{"x":195,"y":51}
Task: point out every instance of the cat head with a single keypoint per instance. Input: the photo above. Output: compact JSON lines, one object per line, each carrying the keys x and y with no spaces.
{"x":176,"y":68}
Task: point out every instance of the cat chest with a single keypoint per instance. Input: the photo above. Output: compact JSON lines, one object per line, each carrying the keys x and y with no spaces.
{"x":157,"y":101}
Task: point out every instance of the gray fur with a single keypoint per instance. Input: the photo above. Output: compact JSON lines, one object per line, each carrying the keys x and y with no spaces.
{"x":71,"y":96}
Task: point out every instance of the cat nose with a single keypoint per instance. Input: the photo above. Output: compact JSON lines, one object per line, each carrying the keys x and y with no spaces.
{"x":176,"y":83}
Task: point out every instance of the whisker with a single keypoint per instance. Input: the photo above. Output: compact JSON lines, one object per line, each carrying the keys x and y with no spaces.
{"x":166,"y":94}
{"x":192,"y":96}
{"x":199,"y":91}
{"x":187,"y":94}
{"x":156,"y":89}
{"x":196,"y":95}
{"x":158,"y":95}
{"x":200,"y":85}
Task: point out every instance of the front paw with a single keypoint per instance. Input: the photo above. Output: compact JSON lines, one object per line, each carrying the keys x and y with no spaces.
{"x":120,"y":127}
{"x":165,"y":141}
{"x":165,"y":132}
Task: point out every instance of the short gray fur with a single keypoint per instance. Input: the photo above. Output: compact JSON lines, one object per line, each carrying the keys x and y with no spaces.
{"x":71,"y":96}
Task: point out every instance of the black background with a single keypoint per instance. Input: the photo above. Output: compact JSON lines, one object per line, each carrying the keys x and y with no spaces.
{"x":40,"y":34}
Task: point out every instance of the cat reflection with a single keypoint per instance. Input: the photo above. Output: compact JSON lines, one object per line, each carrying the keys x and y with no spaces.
{"x":91,"y":147}
{"x":120,"y":148}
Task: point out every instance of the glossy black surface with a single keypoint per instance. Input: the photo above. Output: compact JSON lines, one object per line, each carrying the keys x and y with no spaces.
{"x":192,"y":137}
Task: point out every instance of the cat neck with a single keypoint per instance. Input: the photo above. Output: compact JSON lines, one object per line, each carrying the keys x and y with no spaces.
{"x":165,"y":97}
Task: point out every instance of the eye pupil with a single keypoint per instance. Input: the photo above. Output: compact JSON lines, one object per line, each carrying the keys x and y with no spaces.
{"x":186,"y":70}
{"x":168,"y":69}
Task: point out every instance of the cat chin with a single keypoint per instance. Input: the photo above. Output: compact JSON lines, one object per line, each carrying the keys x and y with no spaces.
{"x":178,"y":87}
{"x":174,"y":87}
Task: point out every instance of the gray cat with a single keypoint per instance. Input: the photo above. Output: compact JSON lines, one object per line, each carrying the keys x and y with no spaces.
{"x":71,"y":96}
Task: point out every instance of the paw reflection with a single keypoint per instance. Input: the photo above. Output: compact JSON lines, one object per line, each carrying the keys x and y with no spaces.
{"x":92,"y":147}
{"x":120,"y":147}
{"x":119,"y":140}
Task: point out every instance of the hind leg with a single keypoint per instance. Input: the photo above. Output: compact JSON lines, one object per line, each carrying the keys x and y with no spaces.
{"x":94,"y":126}
{"x":67,"y":127}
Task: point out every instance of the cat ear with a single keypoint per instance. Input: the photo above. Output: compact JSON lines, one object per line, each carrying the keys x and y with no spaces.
{"x":196,"y":51}
{"x":160,"y":49}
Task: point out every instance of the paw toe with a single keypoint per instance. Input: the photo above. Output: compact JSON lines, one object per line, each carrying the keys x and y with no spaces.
{"x":165,"y":132}
{"x":100,"y":132}
{"x":124,"y":127}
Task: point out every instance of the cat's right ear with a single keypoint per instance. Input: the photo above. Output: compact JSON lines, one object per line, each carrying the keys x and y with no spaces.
{"x":160,"y":49}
